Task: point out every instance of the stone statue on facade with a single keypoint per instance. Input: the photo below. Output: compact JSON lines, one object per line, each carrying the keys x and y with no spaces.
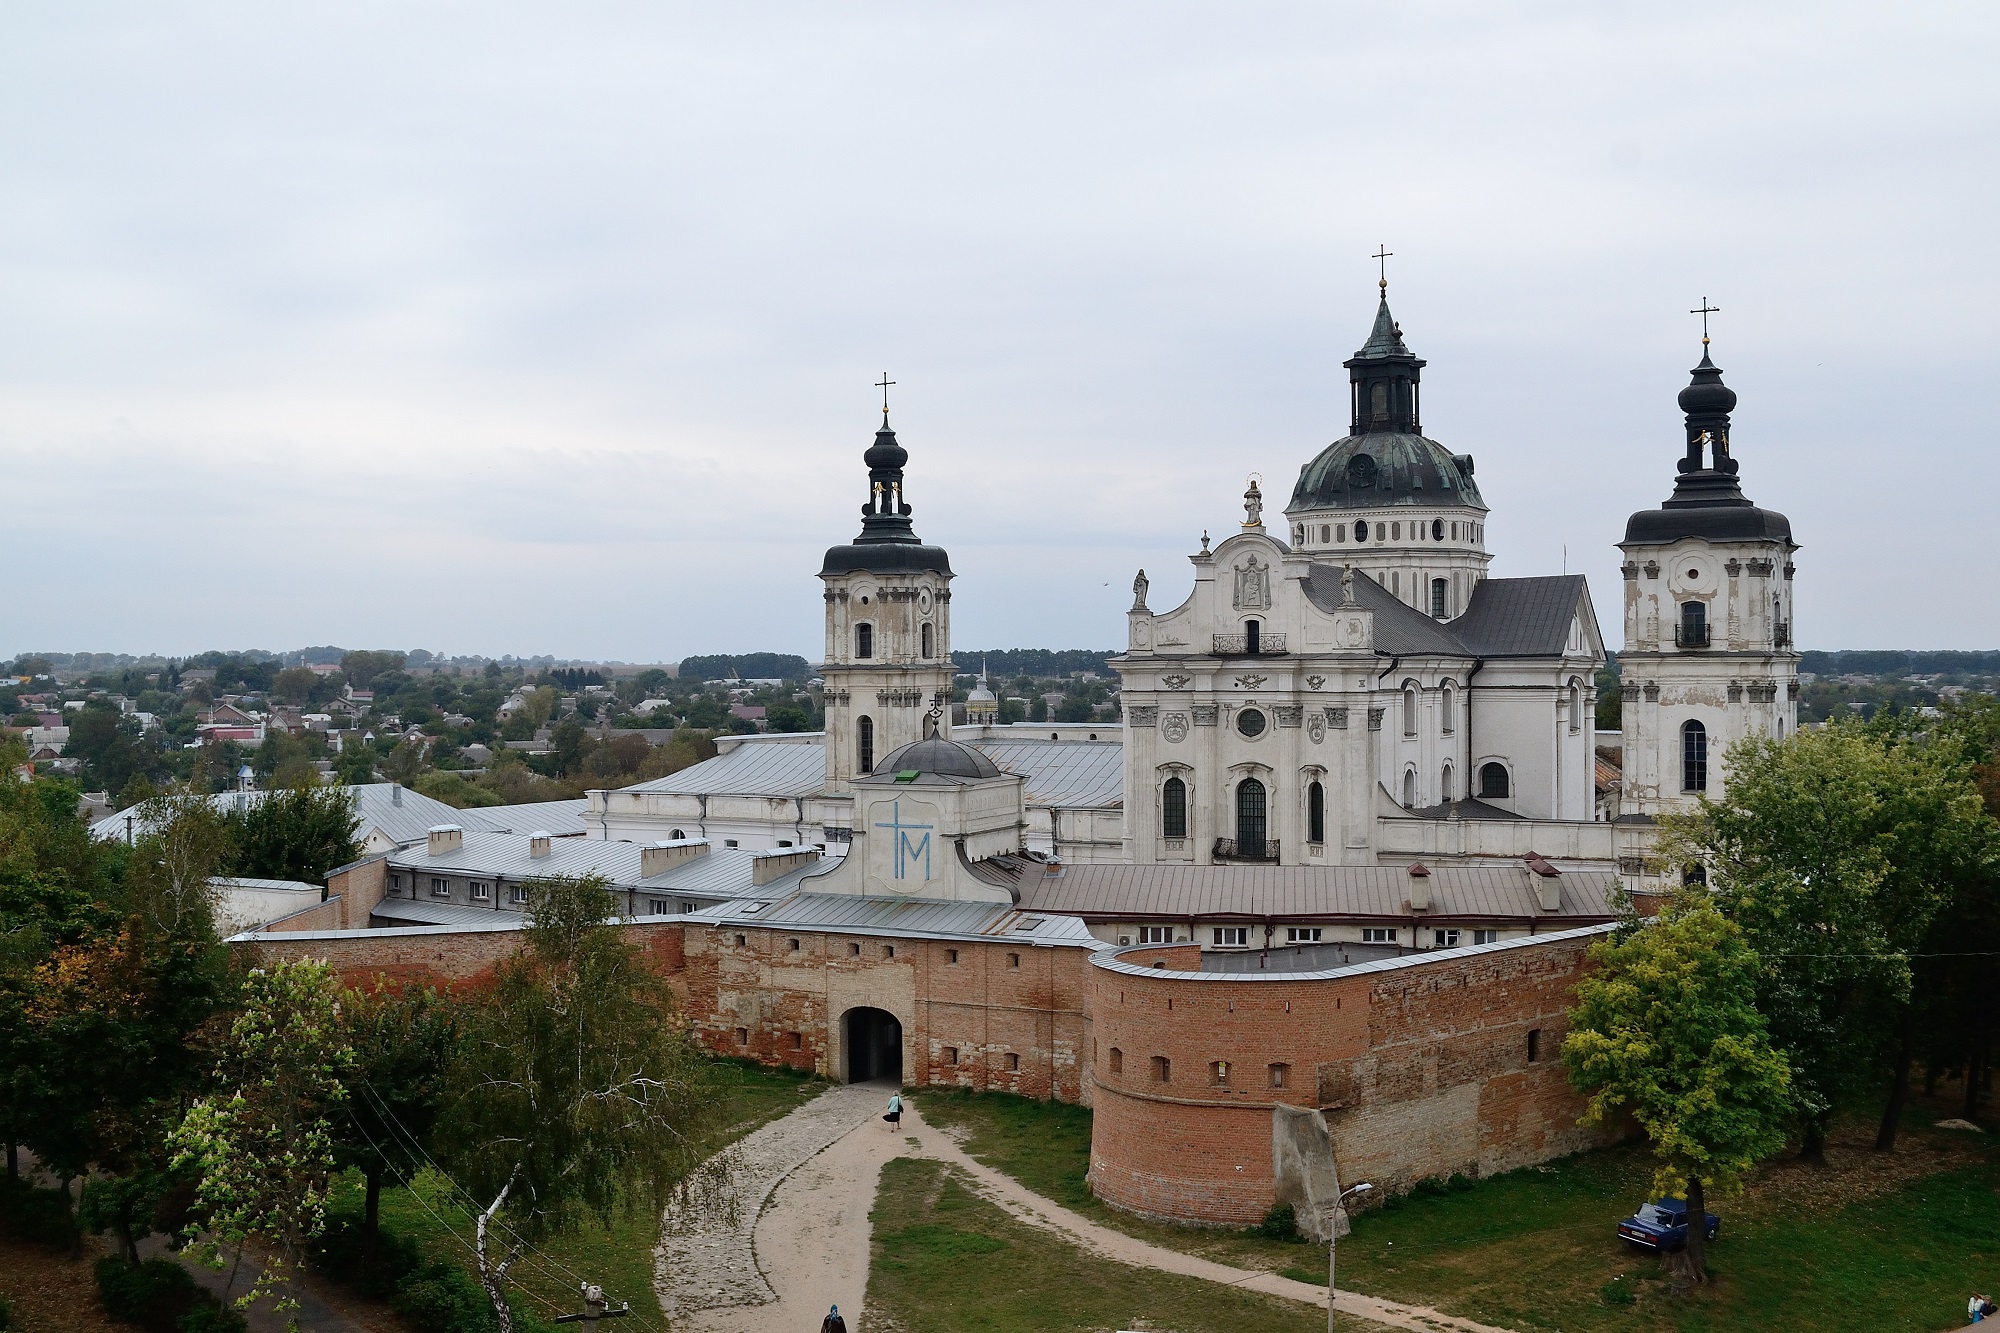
{"x":1253,"y":506}
{"x":1139,"y":586}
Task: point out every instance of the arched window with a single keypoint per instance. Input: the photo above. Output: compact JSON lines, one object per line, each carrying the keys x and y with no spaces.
{"x":1575,"y":708}
{"x":1315,"y":812}
{"x":1694,"y":757}
{"x":1437,"y":529}
{"x":1250,"y":818}
{"x":1361,"y":530}
{"x":864,"y":640}
{"x":1440,"y":593}
{"x":1492,"y":780}
{"x":677,"y":835}
{"x":1252,"y":637}
{"x":930,"y":641}
{"x":1694,"y":625}
{"x":1173,"y":809}
{"x":864,"y":741}
{"x":1448,"y":708}
{"x":1409,"y":710}
{"x":1410,"y":788}
{"x":1444,"y":784}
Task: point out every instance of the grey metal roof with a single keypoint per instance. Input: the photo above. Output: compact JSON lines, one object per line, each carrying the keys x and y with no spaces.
{"x":561,"y":818}
{"x":1112,"y":960}
{"x":375,"y":803}
{"x":847,"y":913}
{"x":1064,"y":773}
{"x":247,"y":882}
{"x":724,"y":872}
{"x":404,"y":912}
{"x":1294,"y":893}
{"x":772,"y":768}
{"x":1067,"y":774}
{"x":1521,"y":617}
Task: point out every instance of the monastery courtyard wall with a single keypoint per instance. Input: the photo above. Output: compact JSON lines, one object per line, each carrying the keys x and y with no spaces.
{"x":1424,"y":1065}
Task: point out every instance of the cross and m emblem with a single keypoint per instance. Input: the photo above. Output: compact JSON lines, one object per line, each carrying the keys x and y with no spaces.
{"x":908,"y":850}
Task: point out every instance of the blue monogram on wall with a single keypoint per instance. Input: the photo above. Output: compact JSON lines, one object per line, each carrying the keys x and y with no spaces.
{"x":908,"y":851}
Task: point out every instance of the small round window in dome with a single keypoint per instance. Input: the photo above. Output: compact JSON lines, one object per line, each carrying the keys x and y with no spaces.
{"x":1361,"y":470}
{"x":1250,"y":722}
{"x":1361,"y":530}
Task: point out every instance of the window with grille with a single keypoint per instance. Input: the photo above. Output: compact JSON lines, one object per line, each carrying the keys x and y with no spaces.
{"x":1694,"y":757}
{"x":1250,"y":817}
{"x":1439,"y":591}
{"x":1492,"y":780}
{"x":864,"y":740}
{"x":864,"y":641}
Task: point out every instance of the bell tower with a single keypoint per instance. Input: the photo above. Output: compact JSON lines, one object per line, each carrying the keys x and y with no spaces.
{"x":888,"y":668}
{"x":1708,"y":656}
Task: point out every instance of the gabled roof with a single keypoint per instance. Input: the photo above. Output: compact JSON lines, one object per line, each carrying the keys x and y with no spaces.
{"x":1255,"y":892}
{"x":1400,"y":629}
{"x":770,"y":768}
{"x":1522,"y":617}
{"x":376,"y":803}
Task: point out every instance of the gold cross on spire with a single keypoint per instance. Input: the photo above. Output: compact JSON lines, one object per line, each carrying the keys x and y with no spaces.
{"x":1705,"y":310}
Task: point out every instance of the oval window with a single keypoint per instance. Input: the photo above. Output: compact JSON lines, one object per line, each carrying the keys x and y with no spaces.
{"x":1250,"y":722}
{"x":1361,"y":470}
{"x":1361,"y":531}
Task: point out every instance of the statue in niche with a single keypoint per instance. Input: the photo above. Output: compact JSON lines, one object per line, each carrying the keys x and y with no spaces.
{"x":1253,"y":586}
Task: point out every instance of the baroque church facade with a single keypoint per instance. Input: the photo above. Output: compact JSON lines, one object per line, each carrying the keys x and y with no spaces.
{"x":1346,"y":687}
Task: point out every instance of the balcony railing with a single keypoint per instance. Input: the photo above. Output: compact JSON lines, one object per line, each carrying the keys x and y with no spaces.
{"x":1238,"y":645}
{"x":1690,"y":636}
{"x":1234,"y":849}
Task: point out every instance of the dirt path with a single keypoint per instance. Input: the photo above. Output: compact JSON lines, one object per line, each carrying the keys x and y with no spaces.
{"x":798,"y":1241}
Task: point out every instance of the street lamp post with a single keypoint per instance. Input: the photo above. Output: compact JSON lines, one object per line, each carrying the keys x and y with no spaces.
{"x":1332,"y":1239}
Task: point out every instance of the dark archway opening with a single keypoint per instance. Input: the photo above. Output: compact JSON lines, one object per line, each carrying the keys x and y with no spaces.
{"x":873,"y":1041}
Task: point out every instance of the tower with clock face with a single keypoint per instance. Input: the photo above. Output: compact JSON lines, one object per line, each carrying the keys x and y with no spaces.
{"x":888,"y":671}
{"x":1708,"y":656}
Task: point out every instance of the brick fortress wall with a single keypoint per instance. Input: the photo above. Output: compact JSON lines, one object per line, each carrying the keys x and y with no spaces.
{"x":1422,"y":1070}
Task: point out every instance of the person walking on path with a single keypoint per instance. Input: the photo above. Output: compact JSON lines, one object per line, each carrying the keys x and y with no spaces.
{"x":895,"y":1116}
{"x":833,"y":1323}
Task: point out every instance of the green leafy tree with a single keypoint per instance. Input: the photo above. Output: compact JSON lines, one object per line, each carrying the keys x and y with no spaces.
{"x":1834,"y":850}
{"x":361,"y":668}
{"x":578,"y":1089}
{"x":297,"y":833}
{"x":403,"y":1044}
{"x":1666,"y":1028}
{"x":355,"y":765}
{"x":262,"y":1144}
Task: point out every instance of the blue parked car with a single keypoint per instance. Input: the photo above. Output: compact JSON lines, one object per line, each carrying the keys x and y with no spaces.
{"x":1662,"y":1225}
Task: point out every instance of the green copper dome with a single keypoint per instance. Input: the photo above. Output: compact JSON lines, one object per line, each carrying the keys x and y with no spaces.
{"x":1383,"y":468}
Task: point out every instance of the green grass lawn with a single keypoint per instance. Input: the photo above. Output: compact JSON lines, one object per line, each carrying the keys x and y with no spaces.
{"x":619,"y":1258}
{"x":946,"y":1261}
{"x":1863,"y":1244}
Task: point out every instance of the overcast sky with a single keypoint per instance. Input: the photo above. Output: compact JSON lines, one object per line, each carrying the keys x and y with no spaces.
{"x":494,"y":328}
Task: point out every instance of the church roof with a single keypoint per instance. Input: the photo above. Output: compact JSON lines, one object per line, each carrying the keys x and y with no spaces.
{"x":887,"y":543}
{"x":1293,"y":893}
{"x":1383,"y":468}
{"x":1521,"y":617}
{"x":752,"y":769}
{"x":1707,"y":502}
{"x":933,"y":761}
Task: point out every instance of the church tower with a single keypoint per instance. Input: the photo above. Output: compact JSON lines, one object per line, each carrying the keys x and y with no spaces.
{"x":888,"y":668}
{"x":1396,"y":506}
{"x":1708,"y":655}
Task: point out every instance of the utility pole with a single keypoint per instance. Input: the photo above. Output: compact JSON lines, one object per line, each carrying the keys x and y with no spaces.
{"x":593,"y":1309}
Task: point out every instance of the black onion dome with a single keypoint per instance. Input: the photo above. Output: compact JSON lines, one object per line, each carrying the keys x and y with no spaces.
{"x":1708,"y":502}
{"x":939,"y":757}
{"x":1385,"y":468}
{"x":888,"y":544}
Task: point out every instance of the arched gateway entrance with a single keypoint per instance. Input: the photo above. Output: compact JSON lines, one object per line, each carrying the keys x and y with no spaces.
{"x":871,"y":1045}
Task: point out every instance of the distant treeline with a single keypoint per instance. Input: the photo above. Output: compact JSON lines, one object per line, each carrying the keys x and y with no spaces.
{"x":745,"y":666}
{"x":1883,"y":662}
{"x":1042,"y":663}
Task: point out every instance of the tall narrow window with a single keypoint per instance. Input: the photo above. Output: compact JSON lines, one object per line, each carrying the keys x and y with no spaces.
{"x":1439,"y":590}
{"x":1410,"y":789}
{"x":1694,"y":757}
{"x":930,"y":641}
{"x":1409,"y":710}
{"x":1444,"y":784}
{"x":1437,"y":529}
{"x":1173,"y":809}
{"x":1575,"y":708}
{"x":1315,"y":812}
{"x":1252,"y":637}
{"x":1250,"y":821}
{"x":1447,"y":708}
{"x":864,"y":641}
{"x":864,"y":740}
